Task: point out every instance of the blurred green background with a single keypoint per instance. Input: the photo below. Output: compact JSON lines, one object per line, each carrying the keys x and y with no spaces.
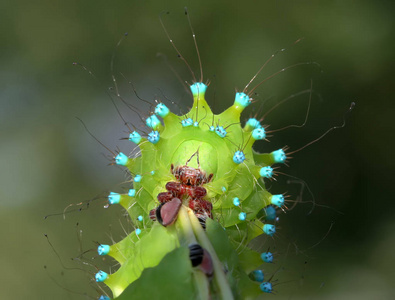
{"x":48,"y":160}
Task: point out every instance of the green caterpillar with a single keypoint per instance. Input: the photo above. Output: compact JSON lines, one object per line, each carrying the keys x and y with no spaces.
{"x":198,"y":199}
{"x":235,"y":192}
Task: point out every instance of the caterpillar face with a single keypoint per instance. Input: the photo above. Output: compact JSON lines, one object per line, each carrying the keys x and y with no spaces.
{"x":190,"y":176}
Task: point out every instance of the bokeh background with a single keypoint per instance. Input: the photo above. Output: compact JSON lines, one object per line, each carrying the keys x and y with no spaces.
{"x":49,"y":161}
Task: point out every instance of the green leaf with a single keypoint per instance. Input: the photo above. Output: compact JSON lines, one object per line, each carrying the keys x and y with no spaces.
{"x":171,"y":279}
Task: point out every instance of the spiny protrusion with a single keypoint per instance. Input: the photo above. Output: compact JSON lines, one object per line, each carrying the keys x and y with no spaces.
{"x":271,"y":213}
{"x":252,"y":124}
{"x":267,"y":257}
{"x":114,"y":198}
{"x":187,"y":122}
{"x":242,"y":100}
{"x":269,"y":229}
{"x":277,"y":200}
{"x":266,"y":287}
{"x":239,"y":157}
{"x":121,"y":159}
{"x":257,"y":275}
{"x":236,"y":201}
{"x":278,"y":156}
{"x":162,"y":110}
{"x":152,"y":122}
{"x":135,"y":137}
{"x":153,"y":137}
{"x":259,"y":134}
{"x":103,"y":297}
{"x":140,"y":218}
{"x":101,"y":276}
{"x":198,"y":88}
{"x":103,"y":249}
{"x":266,"y":172}
{"x":242,"y":216}
{"x":137,"y":231}
{"x":220,"y":130}
{"x":137,"y":178}
{"x":132,"y":193}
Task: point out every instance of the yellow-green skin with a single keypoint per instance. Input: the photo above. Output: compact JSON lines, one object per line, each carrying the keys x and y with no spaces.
{"x":138,"y":252}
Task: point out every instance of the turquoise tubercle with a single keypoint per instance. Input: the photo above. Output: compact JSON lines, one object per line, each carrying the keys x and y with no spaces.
{"x":101,"y":276}
{"x":162,"y":110}
{"x":132,"y":193}
{"x":259,"y":134}
{"x":152,"y":122}
{"x":103,"y":249}
{"x":239,"y":157}
{"x":269,"y":229}
{"x":257,"y":275}
{"x":220,"y":131}
{"x":278,"y":156}
{"x":198,"y":88}
{"x":271,"y":213}
{"x":267,"y":257}
{"x":252,"y":124}
{"x":114,"y":198}
{"x":266,"y":287}
{"x":154,"y":137}
{"x":277,"y":200}
{"x":242,"y":216}
{"x":187,"y":122}
{"x":266,"y":172}
{"x":121,"y":159}
{"x":135,"y":137}
{"x":242,"y":100}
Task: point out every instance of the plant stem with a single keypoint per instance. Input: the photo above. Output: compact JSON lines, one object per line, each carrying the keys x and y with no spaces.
{"x":187,"y":237}
{"x":219,"y":274}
